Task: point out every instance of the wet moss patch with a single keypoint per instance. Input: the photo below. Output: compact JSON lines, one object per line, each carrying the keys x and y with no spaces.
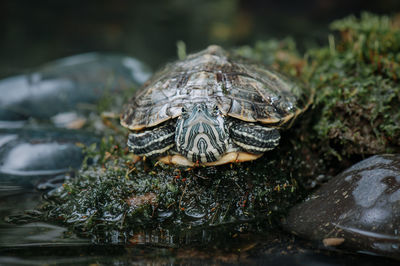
{"x":113,"y":194}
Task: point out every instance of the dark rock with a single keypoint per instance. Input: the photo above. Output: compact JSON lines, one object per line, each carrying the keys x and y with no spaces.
{"x":360,"y":207}
{"x":62,"y":85}
{"x":29,"y":155}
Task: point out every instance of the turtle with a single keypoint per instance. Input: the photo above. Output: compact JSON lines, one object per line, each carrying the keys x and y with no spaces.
{"x":212,"y":108}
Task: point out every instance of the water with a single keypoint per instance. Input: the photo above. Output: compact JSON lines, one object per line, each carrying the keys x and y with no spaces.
{"x":39,"y":243}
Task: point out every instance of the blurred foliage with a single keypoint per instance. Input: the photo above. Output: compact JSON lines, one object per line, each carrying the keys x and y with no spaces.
{"x":148,"y":30}
{"x":281,"y":55}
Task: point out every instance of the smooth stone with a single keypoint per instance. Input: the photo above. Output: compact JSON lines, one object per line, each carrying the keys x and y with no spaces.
{"x":26,"y":156}
{"x":357,"y":210}
{"x":70,"y":120}
{"x":63,"y":85}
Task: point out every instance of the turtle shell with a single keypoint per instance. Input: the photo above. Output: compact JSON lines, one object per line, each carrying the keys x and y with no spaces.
{"x":240,"y":88}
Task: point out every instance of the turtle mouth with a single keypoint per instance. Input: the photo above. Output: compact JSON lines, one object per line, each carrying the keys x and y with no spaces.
{"x":202,"y":144}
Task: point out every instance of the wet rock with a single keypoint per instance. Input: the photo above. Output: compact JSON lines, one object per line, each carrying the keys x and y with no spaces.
{"x":358,"y":210}
{"x":70,"y":120}
{"x":29,"y":155}
{"x":62,"y":85}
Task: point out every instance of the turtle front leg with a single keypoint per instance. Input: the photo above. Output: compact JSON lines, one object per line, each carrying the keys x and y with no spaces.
{"x":254,"y":138}
{"x":152,"y":143}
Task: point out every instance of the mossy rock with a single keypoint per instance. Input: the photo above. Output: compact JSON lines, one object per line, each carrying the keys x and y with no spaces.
{"x":114,"y":194}
{"x":356,"y":113}
{"x":356,"y":78}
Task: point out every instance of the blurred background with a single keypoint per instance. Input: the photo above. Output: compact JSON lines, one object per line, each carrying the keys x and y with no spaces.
{"x":35,"y":32}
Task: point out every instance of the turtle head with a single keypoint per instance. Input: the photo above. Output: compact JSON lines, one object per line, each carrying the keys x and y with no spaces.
{"x":201,"y":134}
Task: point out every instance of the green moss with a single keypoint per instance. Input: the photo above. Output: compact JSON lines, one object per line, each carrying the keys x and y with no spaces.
{"x":356,"y":80}
{"x":113,"y":194}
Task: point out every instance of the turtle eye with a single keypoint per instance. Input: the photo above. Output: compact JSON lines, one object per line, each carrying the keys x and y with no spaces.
{"x":184,"y":113}
{"x":215,"y":110}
